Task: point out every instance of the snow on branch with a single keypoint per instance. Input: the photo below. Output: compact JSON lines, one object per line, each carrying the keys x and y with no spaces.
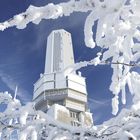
{"x":51,"y":11}
{"x":117,"y":34}
{"x":24,"y":122}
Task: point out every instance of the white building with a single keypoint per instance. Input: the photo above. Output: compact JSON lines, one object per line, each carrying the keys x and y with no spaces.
{"x":64,"y":95}
{"x":59,"y":53}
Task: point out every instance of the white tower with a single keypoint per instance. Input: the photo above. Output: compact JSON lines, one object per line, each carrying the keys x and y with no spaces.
{"x":59,"y":53}
{"x":64,"y":95}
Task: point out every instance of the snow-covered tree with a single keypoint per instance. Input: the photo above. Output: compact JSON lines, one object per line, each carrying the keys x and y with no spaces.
{"x":118,"y":37}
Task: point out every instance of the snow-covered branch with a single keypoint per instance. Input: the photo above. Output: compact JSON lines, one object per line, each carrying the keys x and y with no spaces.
{"x":117,"y":34}
{"x":51,"y":11}
{"x":24,"y":122}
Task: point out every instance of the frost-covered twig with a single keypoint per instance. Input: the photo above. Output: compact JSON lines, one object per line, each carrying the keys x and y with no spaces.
{"x":120,"y":63}
{"x":37,"y":125}
{"x":117,"y":33}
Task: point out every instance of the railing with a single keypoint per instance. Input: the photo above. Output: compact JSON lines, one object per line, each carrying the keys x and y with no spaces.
{"x":46,"y":94}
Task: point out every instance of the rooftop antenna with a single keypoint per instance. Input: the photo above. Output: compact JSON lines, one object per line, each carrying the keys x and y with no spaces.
{"x":15,"y":92}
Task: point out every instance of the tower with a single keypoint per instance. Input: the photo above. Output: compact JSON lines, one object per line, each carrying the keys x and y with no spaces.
{"x":63,"y":94}
{"x":59,"y":54}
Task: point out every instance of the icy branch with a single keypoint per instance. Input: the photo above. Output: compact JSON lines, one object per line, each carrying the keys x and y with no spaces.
{"x":117,"y":34}
{"x":36,"y":125}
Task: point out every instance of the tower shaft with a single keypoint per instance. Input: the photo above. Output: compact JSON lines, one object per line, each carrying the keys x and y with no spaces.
{"x":59,"y":52}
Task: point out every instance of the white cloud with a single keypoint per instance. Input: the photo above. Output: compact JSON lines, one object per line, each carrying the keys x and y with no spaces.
{"x":11,"y":84}
{"x":96,"y":104}
{"x":96,"y":107}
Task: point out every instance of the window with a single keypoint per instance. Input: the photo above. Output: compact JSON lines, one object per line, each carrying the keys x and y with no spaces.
{"x":73,"y":114}
{"x":74,"y":123}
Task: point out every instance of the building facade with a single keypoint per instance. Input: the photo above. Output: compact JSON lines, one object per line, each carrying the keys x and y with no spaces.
{"x":62,"y":94}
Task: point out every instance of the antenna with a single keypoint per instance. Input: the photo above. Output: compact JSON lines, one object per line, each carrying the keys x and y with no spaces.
{"x":15,"y":92}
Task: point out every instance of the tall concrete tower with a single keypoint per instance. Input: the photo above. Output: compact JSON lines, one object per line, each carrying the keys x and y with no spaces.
{"x":63,"y":94}
{"x":59,"y":53}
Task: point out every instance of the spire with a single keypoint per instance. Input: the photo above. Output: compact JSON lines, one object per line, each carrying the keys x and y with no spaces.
{"x":15,"y":92}
{"x":59,"y":53}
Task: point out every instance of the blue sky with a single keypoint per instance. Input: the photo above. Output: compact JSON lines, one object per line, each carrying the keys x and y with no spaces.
{"x":22,"y":56}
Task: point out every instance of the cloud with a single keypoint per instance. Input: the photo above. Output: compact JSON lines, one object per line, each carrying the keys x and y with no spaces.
{"x":97,"y":118}
{"x":11,"y":84}
{"x":96,"y":104}
{"x":97,"y":107}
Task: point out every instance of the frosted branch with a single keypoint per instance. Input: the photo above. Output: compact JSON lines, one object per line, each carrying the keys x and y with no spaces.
{"x":117,"y":33}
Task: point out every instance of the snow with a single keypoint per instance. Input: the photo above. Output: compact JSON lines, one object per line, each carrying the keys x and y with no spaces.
{"x":136,"y":106}
{"x":115,"y":37}
{"x":128,"y":134}
{"x":52,"y":111}
{"x":115,"y":104}
{"x":118,"y":40}
{"x":124,"y":126}
{"x":38,"y":125}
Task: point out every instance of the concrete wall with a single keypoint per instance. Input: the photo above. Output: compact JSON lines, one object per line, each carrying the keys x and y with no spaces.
{"x":77,"y":95}
{"x":59,"y":113}
{"x":62,"y":114}
{"x":63,"y":117}
{"x":86,"y":118}
{"x":75,"y":105}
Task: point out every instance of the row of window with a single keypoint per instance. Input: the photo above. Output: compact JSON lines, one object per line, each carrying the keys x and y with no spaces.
{"x":73,"y":115}
{"x":73,"y":123}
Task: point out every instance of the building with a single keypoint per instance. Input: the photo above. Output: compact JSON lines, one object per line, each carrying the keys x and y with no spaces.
{"x":61,"y":94}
